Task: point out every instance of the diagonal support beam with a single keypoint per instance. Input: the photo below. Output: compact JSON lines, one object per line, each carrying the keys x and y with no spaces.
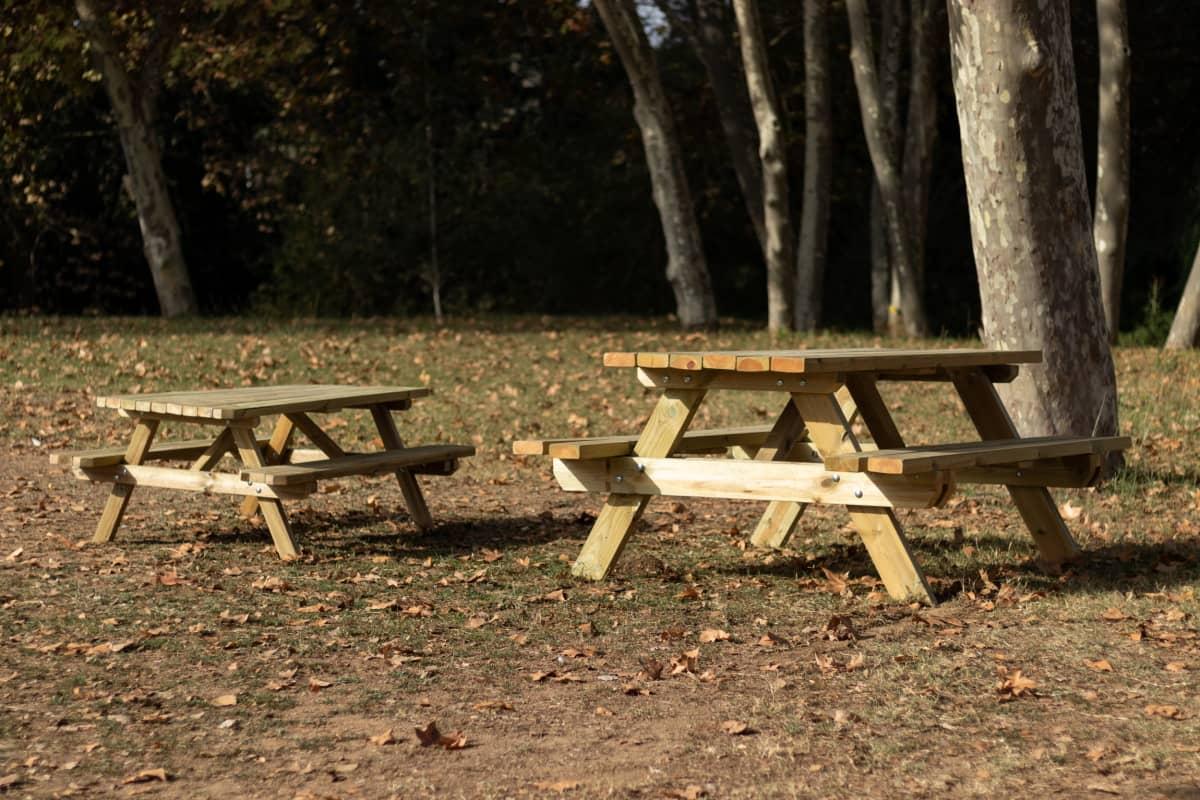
{"x":118,"y":498}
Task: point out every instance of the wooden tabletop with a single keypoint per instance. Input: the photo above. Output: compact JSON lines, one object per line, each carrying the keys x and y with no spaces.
{"x":822,"y":361}
{"x":257,"y":401}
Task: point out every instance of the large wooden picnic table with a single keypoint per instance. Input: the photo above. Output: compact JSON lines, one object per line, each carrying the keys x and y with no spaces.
{"x":810,"y":453}
{"x":271,"y":469}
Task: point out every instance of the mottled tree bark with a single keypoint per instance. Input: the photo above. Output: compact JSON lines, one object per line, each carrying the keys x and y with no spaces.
{"x":709,"y":33}
{"x":1185,"y":328}
{"x":818,"y":167}
{"x":773,"y":157}
{"x":687,"y":270}
{"x":885,"y":291}
{"x":1112,"y":157}
{"x":927,"y":28}
{"x":133,"y":107}
{"x":1022,"y":153}
{"x":886,"y":173}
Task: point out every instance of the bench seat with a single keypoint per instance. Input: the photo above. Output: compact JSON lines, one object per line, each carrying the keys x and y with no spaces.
{"x":159,"y":451}
{"x":619,"y":446}
{"x":967,"y":455}
{"x":439,"y":459}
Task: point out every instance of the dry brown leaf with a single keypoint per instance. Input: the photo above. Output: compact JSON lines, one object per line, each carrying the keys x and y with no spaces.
{"x":556,"y":786}
{"x":492,"y":555}
{"x":1175,"y":666}
{"x":493,"y":705}
{"x":225,"y":700}
{"x":387,"y":737}
{"x":685,"y":662}
{"x":538,"y":677}
{"x":1114,"y":615}
{"x":316,"y":684}
{"x":651,"y":669}
{"x":557,"y":596}
{"x":1101,"y":665}
{"x":735,"y":728}
{"x":430,"y":736}
{"x":146,"y":775}
{"x":713,"y":635}
{"x":1014,"y":684}
{"x":1168,"y":712}
{"x":474,"y":623}
{"x":601,"y":711}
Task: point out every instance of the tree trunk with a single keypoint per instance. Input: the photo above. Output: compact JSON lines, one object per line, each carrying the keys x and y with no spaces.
{"x":886,"y":175}
{"x":818,"y":167}
{"x":1185,"y":328}
{"x":772,"y":153}
{"x":687,"y":271}
{"x":1112,"y":157}
{"x":133,"y":108}
{"x":885,"y":291}
{"x":1022,"y":152}
{"x":708,"y":33}
{"x":926,"y":32}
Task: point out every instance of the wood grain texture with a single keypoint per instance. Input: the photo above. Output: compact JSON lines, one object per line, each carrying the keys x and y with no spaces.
{"x":118,"y":498}
{"x":259,"y":401}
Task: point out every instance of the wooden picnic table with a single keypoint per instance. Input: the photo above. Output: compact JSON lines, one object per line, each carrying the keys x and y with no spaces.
{"x":271,"y":469}
{"x":810,"y":454}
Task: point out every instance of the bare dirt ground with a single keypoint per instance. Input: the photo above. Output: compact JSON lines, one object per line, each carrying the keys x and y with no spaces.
{"x":185,"y":660}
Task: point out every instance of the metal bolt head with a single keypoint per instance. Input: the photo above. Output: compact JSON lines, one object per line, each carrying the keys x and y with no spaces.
{"x":258,"y":490}
{"x":1020,"y":474}
{"x":837,"y":478}
{"x":803,"y":382}
{"x":687,"y":378}
{"x":619,"y":478}
{"x":666,"y":378}
{"x":641,"y":467}
{"x":779,"y":382}
{"x":858,"y":492}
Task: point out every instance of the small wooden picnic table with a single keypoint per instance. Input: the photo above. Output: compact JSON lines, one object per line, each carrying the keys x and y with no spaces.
{"x":271,"y":470}
{"x":810,"y":454}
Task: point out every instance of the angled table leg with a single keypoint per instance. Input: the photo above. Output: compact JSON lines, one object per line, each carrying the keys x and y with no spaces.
{"x":118,"y":498}
{"x":983,"y":404}
{"x":829,"y":430}
{"x":273,"y":454}
{"x":610,"y":532}
{"x":272,"y":510}
{"x":779,"y":520}
{"x":413,"y":498}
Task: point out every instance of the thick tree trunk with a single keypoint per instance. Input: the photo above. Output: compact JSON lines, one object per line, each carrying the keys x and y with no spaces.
{"x":926,"y":33}
{"x":708,"y":31}
{"x":687,"y":271}
{"x":818,"y":167}
{"x":1185,"y":328}
{"x":772,"y":153}
{"x":1112,"y":157}
{"x":1022,"y":152}
{"x":886,"y":174}
{"x":885,"y":291}
{"x":133,"y":108}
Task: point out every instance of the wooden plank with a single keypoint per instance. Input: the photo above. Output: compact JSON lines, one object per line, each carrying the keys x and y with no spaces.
{"x":260,"y":400}
{"x":187,"y":480}
{"x":159,"y":451}
{"x":733,"y":479}
{"x":272,"y":509}
{"x":610,"y":446}
{"x":831,"y":360}
{"x":355,"y":464}
{"x":214,"y":452}
{"x":409,"y":487}
{"x":610,"y":532}
{"x":315,"y":434}
{"x":1073,"y":472}
{"x":908,"y":461}
{"x":748,"y":381}
{"x":779,"y":520}
{"x":1041,"y":517}
{"x":275,"y":452}
{"x":118,"y":498}
{"x":873,"y":411}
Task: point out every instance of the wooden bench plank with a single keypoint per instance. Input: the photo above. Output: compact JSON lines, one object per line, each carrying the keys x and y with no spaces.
{"x":913,"y":460}
{"x":159,"y":451}
{"x":355,"y":464}
{"x":616,"y":446}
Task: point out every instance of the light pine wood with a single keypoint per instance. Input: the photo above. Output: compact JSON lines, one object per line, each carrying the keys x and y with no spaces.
{"x":733,"y":479}
{"x":315,"y":434}
{"x":190,"y":481}
{"x":824,"y":361}
{"x":356,"y":464}
{"x":662,"y":378}
{"x":781,"y":516}
{"x":864,"y":393}
{"x":275,"y":452}
{"x":1041,"y":517}
{"x":670,"y":418}
{"x":257,"y":401}
{"x":272,"y":510}
{"x":107,"y":456}
{"x":409,"y":487}
{"x":614,"y":446}
{"x":118,"y":498}
{"x":214,"y":452}
{"x":909,"y":461}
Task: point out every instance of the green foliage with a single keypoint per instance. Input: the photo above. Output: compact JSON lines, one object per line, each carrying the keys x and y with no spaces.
{"x":1155,"y":322}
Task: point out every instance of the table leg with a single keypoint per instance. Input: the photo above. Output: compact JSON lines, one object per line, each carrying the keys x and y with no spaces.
{"x":659,"y":438}
{"x":118,"y":498}
{"x":777,"y":523}
{"x":829,"y":431}
{"x":272,"y":510}
{"x":274,"y":454}
{"x":1037,"y":507}
{"x":413,"y":498}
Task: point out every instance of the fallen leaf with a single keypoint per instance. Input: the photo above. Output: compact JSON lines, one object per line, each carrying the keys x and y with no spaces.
{"x":1102,"y":665}
{"x":651,"y":669}
{"x":713,"y":635}
{"x":601,"y":711}
{"x":1175,"y":666}
{"x":1014,"y":684}
{"x":1114,"y":615}
{"x":493,"y":705}
{"x":1169,"y":712}
{"x":538,"y":677}
{"x":474,"y":623}
{"x":685,"y":662}
{"x":556,"y":786}
{"x":146,"y":775}
{"x":557,"y":596}
{"x":386,"y":737}
{"x":316,"y":684}
{"x":492,"y":555}
{"x":225,"y":700}
{"x":735,"y":728}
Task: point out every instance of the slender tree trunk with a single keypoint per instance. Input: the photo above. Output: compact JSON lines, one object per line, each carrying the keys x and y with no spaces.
{"x":708,"y":33}
{"x":1185,"y":329}
{"x":772,"y":153}
{"x":818,"y":167}
{"x":886,"y":174}
{"x":926,"y":33}
{"x":1022,"y":152}
{"x":1112,"y":157}
{"x":885,"y":292}
{"x":133,"y":108}
{"x":434,"y":272}
{"x":687,"y":271}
